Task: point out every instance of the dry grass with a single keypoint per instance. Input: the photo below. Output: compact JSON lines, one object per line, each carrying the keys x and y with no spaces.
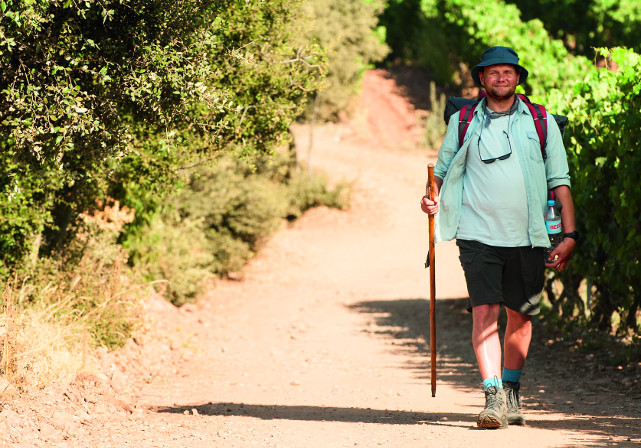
{"x":37,"y":346}
{"x":52,"y":319}
{"x":49,"y":333}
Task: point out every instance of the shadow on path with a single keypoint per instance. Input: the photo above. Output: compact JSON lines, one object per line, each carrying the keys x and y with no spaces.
{"x":551,"y":384}
{"x":602,"y":427}
{"x":405,"y":324}
{"x":324,"y":413}
{"x":406,"y":321}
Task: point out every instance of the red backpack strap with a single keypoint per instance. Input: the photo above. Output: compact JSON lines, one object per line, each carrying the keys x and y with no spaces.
{"x":464,"y":119}
{"x":540,"y":123}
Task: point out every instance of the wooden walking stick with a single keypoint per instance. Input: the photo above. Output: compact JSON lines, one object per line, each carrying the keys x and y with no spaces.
{"x":432,"y":188}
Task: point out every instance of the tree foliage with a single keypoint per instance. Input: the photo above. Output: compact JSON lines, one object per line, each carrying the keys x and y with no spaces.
{"x":605,"y":158}
{"x":118,"y":94}
{"x":418,"y":39}
{"x":472,"y":26}
{"x":348,"y":31}
{"x":583,"y":25}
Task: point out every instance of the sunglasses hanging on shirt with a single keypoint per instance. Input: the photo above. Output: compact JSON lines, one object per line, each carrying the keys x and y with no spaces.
{"x":490,"y":115}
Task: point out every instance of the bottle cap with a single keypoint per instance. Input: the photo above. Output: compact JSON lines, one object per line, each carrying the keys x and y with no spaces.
{"x":551,"y":203}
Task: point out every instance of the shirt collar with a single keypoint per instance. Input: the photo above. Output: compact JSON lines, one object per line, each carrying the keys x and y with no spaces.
{"x":482,"y":106}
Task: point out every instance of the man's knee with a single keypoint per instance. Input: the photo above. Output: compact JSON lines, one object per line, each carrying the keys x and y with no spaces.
{"x":488,"y":312}
{"x":519,"y":319}
{"x":519,"y":323}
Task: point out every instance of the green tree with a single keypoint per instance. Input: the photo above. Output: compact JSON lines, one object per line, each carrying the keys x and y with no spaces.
{"x":349,"y":32}
{"x":417,"y":39}
{"x":121,"y":93}
{"x":472,"y":26}
{"x":583,"y":25}
{"x":605,"y":155}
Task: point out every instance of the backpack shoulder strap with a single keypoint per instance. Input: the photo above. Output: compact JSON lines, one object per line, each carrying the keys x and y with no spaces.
{"x":540,"y":121}
{"x":464,"y":119}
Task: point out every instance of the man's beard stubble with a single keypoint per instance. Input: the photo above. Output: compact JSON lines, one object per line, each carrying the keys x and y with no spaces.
{"x":498,"y":97}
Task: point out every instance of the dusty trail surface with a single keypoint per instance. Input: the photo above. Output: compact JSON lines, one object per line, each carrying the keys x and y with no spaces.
{"x":323,"y":342}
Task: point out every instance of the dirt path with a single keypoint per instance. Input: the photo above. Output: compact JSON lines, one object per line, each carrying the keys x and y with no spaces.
{"x":323,"y":344}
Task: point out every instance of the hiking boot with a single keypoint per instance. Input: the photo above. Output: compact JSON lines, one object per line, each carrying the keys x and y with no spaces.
{"x":514,"y":414}
{"x":495,"y":413}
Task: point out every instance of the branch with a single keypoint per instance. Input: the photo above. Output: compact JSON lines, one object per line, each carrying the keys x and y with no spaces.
{"x":302,"y":59}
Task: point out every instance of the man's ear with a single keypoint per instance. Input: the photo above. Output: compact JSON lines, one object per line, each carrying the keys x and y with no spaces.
{"x":481,"y":74}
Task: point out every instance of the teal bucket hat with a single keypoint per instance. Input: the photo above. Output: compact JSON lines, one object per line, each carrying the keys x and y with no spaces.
{"x":499,"y":55}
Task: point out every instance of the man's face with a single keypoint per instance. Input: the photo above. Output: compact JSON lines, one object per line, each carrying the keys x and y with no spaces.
{"x":499,"y":81}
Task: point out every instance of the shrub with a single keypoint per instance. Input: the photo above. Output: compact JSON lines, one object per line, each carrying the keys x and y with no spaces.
{"x":176,"y":259}
{"x":114,"y":96}
{"x":305,"y":192}
{"x":53,"y":316}
{"x":605,"y":156}
{"x":349,"y":32}
{"x":434,"y":125}
{"x":221,"y":219}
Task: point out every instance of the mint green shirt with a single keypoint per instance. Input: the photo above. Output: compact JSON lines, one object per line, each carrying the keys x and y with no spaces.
{"x":494,"y":209}
{"x":538,"y":177}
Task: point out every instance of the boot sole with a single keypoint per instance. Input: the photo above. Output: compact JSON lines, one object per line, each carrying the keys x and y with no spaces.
{"x":491,"y":422}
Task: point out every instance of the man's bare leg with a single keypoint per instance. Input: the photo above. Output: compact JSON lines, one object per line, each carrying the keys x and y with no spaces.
{"x":485,"y":339}
{"x":518,"y":335}
{"x":487,"y":346}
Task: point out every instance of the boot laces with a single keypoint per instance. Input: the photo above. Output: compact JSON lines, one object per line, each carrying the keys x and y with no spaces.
{"x":492,"y":400}
{"x":513,"y":397}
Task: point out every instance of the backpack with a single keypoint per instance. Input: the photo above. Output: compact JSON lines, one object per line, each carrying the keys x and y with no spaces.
{"x":467,"y":107}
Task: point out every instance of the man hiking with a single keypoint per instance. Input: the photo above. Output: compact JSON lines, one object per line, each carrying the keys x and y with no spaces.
{"x":492,"y":190}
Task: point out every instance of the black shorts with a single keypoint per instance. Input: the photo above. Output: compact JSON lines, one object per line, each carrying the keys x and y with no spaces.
{"x":513,"y":276}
